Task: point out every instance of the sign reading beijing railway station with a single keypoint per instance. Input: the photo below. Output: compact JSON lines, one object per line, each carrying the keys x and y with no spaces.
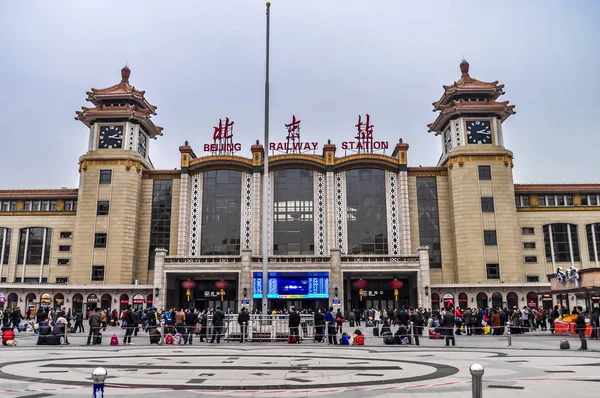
{"x":363,"y":140}
{"x":293,"y":143}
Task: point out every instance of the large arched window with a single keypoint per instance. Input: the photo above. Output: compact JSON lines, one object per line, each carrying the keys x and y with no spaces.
{"x":463,"y":300}
{"x":5,"y":234}
{"x":367,"y":212}
{"x":221,"y":207}
{"x":512,"y":300}
{"x":435,"y":301}
{"x":34,"y":244}
{"x":293,"y":209}
{"x":497,"y":300}
{"x":561,"y":243}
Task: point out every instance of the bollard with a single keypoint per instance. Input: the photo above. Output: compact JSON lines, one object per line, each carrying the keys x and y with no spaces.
{"x":477,"y":374}
{"x":244,"y":331}
{"x":162,"y":331}
{"x":412,"y":333}
{"x":98,"y":376}
{"x":509,"y":335}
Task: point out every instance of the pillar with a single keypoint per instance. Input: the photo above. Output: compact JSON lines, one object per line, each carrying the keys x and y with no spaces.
{"x":336,"y":279}
{"x":160,"y":279}
{"x":245,"y":280}
{"x":329,"y":154}
{"x":183,"y":243}
{"x":423,"y":278}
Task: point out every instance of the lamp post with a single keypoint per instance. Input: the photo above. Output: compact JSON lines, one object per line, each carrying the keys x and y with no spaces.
{"x":265,"y":196}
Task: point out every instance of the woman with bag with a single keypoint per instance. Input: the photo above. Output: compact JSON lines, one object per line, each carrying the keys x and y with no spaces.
{"x":339,"y":320}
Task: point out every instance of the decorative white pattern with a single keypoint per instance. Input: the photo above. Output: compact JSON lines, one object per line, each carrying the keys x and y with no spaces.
{"x":195,"y":215}
{"x":340,"y":212}
{"x":269,"y":217}
{"x":320,"y":217}
{"x":456,"y":130}
{"x":247,"y":211}
{"x":131,"y":135}
{"x":393,"y":237}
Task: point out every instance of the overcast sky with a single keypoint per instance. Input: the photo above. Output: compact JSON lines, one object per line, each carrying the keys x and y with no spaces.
{"x":330,"y":61}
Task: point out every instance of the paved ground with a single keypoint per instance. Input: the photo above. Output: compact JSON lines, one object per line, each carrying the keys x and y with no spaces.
{"x":533,"y":366}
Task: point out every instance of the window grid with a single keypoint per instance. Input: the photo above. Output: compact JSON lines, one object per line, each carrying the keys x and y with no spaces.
{"x":100,"y":240}
{"x":429,"y":223}
{"x":5,"y":235}
{"x":98,"y":273}
{"x":492,"y":271}
{"x":563,"y":251}
{"x":31,"y":245}
{"x":489,"y":238}
{"x":105,"y":176}
{"x":487,"y":205}
{"x":485,"y":173}
{"x":160,"y":224}
{"x":103,"y":208}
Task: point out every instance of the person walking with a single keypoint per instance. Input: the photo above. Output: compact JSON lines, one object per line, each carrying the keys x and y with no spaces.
{"x":294,"y":325}
{"x":243,"y":321}
{"x":447,"y":323}
{"x":129,"y":325}
{"x":580,"y":327}
{"x":217,"y":319}
{"x":95,"y":322}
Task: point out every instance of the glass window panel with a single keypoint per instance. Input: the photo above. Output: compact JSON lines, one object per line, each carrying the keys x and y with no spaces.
{"x":429,"y":230}
{"x":160,"y":222}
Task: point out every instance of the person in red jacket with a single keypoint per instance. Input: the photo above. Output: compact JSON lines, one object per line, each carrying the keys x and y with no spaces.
{"x":7,"y":335}
{"x":458,"y":316}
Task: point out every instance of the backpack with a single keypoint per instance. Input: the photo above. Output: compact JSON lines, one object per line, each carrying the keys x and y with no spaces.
{"x":169,"y":339}
{"x":114,"y":340}
{"x":177,"y":339}
{"x":360,"y":339}
{"x":345,"y":340}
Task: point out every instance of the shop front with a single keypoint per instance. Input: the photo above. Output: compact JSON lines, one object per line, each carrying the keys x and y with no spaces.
{"x":576,"y":288}
{"x":123,"y":302}
{"x":138,"y":302}
{"x":379,"y":293}
{"x":201,"y":292}
{"x":59,"y":301}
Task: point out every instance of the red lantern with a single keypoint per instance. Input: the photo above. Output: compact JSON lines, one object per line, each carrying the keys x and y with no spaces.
{"x":361,"y":284}
{"x":222,"y":284}
{"x":189,"y":284}
{"x":396,"y":284}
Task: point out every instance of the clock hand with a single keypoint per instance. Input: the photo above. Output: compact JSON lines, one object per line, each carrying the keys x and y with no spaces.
{"x":116,"y":136}
{"x":484,"y":132}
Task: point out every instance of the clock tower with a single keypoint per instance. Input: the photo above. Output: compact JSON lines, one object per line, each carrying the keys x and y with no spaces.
{"x":482,"y":201}
{"x":110,"y":187}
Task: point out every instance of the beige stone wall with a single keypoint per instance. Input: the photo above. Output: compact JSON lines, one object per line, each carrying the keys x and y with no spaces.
{"x":58,"y":223}
{"x":537,"y":219}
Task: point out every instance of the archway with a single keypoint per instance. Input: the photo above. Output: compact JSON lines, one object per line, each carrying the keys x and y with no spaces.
{"x":123,"y":302}
{"x":497,"y":300}
{"x":77,"y":303}
{"x":11,"y":301}
{"x":482,"y":300}
{"x":30,"y":305}
{"x":46,"y":301}
{"x":149,"y":300}
{"x":435,"y":302}
{"x":463,"y":300}
{"x":532,"y":300}
{"x":138,"y":302}
{"x":512,"y":300}
{"x":2,"y":300}
{"x":92,"y":302}
{"x":448,"y":300}
{"x":59,"y":301}
{"x":105,"y":302}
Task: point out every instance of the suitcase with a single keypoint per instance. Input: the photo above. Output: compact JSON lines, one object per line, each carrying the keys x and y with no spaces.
{"x":434,"y":336}
{"x":376,"y":331}
{"x":292,"y":340}
{"x":388,"y":338}
{"x":351,"y":324}
{"x":564,"y":344}
{"x":98,"y":338}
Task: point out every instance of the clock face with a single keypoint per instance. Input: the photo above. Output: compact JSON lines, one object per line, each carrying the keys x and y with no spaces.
{"x":479,"y":132}
{"x":448,"y":140}
{"x":142,"y":142}
{"x":111,"y":137}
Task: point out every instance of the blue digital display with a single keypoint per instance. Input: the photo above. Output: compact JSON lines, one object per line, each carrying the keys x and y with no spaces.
{"x":291,"y":285}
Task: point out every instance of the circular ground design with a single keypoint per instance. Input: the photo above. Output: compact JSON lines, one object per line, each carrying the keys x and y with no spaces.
{"x":236,"y":371}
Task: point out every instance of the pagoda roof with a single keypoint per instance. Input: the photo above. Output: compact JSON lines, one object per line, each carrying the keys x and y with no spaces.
{"x":121,"y":91}
{"x":462,"y":106}
{"x":469,"y":86}
{"x":126,"y":111}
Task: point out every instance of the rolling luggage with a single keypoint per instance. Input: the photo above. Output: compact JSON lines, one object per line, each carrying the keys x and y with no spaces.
{"x":388,"y":338}
{"x":376,"y":331}
{"x":97,"y":339}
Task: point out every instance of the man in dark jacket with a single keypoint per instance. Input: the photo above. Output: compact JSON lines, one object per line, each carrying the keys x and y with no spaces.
{"x":403,"y":317}
{"x":243,"y":321}
{"x":16,"y":318}
{"x":129,"y":325}
{"x":95,"y":321}
{"x":580,"y":328}
{"x":79,"y":322}
{"x":217,"y":320}
{"x":357,"y":316}
{"x":415,"y":322}
{"x":319,"y":326}
{"x":447,"y":322}
{"x":294,"y":324}
{"x":191,"y":319}
{"x":467,"y":320}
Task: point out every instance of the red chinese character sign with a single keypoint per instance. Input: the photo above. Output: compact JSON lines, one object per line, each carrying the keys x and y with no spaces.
{"x":293,"y":142}
{"x":223,"y":139}
{"x":363,"y":138}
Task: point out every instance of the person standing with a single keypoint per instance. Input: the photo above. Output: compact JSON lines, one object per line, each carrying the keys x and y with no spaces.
{"x":339,"y":321}
{"x":294,"y":325}
{"x":580,"y":327}
{"x":357,"y":316}
{"x":129,"y":325}
{"x":330,"y":319}
{"x":95,"y":323}
{"x":448,"y":325}
{"x":319,"y":326}
{"x":180,"y":322}
{"x":79,"y":322}
{"x":243,"y":321}
{"x":217,"y":319}
{"x":553,"y":315}
{"x":16,"y":318}
{"x":191,"y":319}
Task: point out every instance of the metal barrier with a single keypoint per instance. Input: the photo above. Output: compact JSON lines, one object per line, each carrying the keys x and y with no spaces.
{"x":262,"y":328}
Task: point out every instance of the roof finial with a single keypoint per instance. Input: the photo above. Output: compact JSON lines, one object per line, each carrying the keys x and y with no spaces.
{"x":125,"y":73}
{"x":464,"y":68}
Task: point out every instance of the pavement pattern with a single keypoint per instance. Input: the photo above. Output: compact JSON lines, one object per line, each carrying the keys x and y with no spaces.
{"x":533,"y":366}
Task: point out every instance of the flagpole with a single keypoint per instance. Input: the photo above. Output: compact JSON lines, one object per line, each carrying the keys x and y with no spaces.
{"x":265,"y":196}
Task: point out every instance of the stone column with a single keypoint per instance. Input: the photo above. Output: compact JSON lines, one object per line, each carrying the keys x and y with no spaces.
{"x":187,"y":154}
{"x":160,"y":279}
{"x":336,"y":279}
{"x":257,"y":170}
{"x":423,"y":278}
{"x":401,"y":154}
{"x":329,"y":154}
{"x":245,"y":280}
